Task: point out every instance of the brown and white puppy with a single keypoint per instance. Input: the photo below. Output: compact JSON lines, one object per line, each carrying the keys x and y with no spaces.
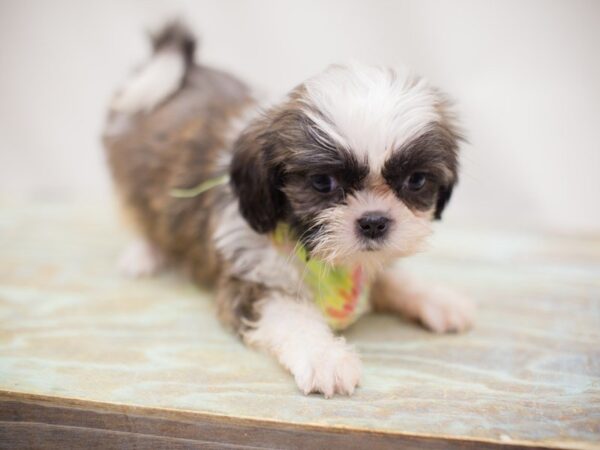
{"x":357,"y":161}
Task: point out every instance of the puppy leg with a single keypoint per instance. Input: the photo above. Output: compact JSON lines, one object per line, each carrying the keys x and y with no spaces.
{"x":141,"y":258}
{"x":438,"y":308}
{"x":297,"y":335}
{"x":295,"y":332}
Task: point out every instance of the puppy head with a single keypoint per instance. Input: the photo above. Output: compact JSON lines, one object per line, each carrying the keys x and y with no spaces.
{"x":358,"y":160}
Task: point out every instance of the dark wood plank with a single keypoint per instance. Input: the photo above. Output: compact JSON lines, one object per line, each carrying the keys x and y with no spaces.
{"x":25,"y":435}
{"x":30,"y":422}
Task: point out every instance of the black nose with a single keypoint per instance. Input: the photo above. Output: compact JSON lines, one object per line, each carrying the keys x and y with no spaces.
{"x":373,"y":225}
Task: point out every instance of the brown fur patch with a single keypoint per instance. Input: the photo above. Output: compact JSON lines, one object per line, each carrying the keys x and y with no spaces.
{"x":236,"y":302}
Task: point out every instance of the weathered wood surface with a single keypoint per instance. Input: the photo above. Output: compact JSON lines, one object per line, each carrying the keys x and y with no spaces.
{"x":86,"y":354}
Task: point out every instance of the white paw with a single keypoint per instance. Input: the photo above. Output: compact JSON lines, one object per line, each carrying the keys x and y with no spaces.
{"x":443,"y":310}
{"x":334,"y":369}
{"x":140,"y":259}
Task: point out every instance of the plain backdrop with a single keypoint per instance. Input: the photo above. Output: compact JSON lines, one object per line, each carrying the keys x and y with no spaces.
{"x":525,"y":76}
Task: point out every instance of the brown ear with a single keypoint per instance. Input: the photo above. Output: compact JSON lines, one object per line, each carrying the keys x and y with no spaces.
{"x":257,"y":178}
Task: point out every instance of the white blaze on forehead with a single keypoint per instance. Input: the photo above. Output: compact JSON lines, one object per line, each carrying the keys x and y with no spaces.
{"x":371,"y":110}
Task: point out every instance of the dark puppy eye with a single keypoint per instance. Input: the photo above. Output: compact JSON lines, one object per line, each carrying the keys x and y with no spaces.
{"x":416,"y":181}
{"x":323,"y":183}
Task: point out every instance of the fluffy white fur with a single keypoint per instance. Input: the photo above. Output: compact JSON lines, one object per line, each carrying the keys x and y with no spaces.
{"x":160,"y":77}
{"x":371,"y":110}
{"x":296,"y":333}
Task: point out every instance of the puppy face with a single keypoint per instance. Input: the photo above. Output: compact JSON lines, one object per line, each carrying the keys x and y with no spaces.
{"x":358,"y":160}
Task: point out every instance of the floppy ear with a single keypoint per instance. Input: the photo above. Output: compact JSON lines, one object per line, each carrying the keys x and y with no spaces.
{"x":256,"y":178}
{"x":452,"y":135}
{"x":443,"y":198}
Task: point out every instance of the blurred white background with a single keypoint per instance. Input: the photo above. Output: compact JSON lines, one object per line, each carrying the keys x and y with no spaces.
{"x":525,"y":75}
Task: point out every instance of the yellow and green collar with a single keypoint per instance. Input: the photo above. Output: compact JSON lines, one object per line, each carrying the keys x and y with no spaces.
{"x":340,"y":292}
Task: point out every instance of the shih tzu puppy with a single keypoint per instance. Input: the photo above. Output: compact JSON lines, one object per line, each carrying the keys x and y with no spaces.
{"x":293,"y":212}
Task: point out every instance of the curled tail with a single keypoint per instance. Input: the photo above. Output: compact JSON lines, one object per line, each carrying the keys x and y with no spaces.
{"x":162,"y":75}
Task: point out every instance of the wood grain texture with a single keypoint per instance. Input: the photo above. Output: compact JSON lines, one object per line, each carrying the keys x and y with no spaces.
{"x":56,"y":423}
{"x":79,"y":342}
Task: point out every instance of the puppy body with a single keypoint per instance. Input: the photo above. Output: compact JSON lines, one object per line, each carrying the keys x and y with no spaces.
{"x":356,"y":162}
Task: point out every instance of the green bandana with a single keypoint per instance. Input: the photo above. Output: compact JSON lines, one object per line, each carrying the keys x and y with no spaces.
{"x":340,"y":292}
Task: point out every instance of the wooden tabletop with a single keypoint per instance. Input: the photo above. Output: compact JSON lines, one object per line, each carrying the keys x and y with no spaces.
{"x":88,"y":357}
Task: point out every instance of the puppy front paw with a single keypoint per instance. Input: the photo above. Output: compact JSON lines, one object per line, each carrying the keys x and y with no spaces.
{"x":333,"y":369}
{"x":442,"y":310}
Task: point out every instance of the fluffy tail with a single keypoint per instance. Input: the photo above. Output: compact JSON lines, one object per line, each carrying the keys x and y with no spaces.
{"x":175,"y":36}
{"x":162,"y":75}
